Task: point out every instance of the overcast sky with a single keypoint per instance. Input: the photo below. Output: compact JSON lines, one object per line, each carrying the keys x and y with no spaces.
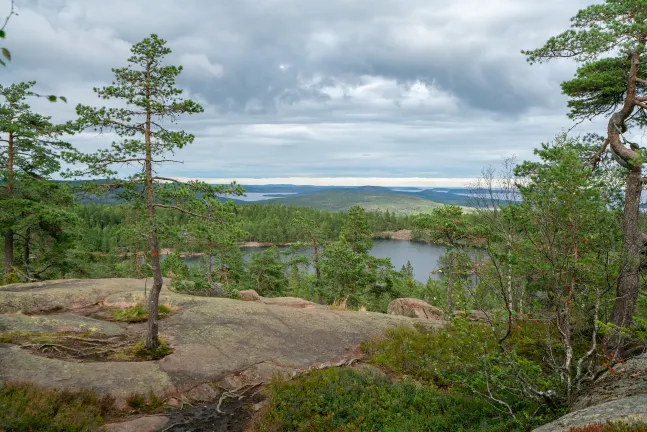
{"x":318,"y":88}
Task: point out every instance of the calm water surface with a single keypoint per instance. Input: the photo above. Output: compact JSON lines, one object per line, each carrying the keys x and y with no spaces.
{"x":423,"y":256}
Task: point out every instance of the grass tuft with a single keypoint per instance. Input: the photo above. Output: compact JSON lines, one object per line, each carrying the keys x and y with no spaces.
{"x":138,"y":313}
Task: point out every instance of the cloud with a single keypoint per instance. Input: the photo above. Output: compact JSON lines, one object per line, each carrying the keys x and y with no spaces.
{"x":199,"y":64}
{"x":388,"y":88}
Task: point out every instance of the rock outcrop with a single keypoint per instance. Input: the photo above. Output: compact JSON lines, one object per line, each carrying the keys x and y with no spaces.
{"x":414,"y":308}
{"x":217,"y":341}
{"x":620,"y":395}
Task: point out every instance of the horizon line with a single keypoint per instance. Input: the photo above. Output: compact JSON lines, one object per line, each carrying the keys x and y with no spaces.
{"x":341,"y":181}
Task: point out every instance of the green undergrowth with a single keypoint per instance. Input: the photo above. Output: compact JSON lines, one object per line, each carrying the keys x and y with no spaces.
{"x":437,"y":381}
{"x":141,"y":404}
{"x":612,"y":427}
{"x":337,"y":399}
{"x":24,"y":407}
{"x":138,"y":313}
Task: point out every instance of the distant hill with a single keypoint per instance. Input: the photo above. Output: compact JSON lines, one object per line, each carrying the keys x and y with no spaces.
{"x":368,"y":197}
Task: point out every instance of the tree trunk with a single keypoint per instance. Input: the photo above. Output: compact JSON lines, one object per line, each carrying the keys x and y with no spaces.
{"x":450,"y":285}
{"x":153,"y":299}
{"x":137,"y":269}
{"x":27,"y":251}
{"x":8,"y":236}
{"x":632,"y":245}
{"x":316,"y":259}
{"x":8,"y":253}
{"x":209,"y":266}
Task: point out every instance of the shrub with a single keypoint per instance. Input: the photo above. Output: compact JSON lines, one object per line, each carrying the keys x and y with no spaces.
{"x":24,"y":407}
{"x":344,"y":399}
{"x":464,"y":355}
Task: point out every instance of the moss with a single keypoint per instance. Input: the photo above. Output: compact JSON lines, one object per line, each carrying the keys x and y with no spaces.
{"x":140,"y":351}
{"x":24,"y":407}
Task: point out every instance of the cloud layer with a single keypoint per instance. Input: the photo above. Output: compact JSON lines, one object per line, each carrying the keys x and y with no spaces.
{"x":323,"y":88}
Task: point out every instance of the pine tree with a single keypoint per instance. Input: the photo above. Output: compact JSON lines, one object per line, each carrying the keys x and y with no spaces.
{"x":146,"y":87}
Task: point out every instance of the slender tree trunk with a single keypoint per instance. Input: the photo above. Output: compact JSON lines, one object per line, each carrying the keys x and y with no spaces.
{"x":632,"y":245}
{"x":27,"y":251}
{"x":8,"y":236}
{"x":137,"y":269}
{"x":209,"y":266}
{"x":450,"y":285}
{"x":316,"y":258}
{"x":153,"y":299}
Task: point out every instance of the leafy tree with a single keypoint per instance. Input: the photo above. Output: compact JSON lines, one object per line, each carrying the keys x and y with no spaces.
{"x":349,"y":272}
{"x":616,"y":28}
{"x":30,"y":152}
{"x":150,"y":103}
{"x":446,"y":225}
{"x":567,"y":233}
{"x":355,"y":231}
{"x":266,"y":272}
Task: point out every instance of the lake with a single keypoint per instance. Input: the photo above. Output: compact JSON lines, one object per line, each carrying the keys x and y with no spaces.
{"x":423,"y":256}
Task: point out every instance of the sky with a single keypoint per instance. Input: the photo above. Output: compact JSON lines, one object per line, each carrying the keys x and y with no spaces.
{"x":403,"y":92}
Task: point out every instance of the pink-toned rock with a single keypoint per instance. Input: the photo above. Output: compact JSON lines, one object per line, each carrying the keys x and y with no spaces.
{"x":289,"y":301}
{"x":414,"y":308}
{"x":141,"y":424}
{"x":248,"y":295}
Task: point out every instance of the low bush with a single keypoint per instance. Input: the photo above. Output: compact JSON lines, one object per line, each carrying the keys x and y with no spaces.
{"x":344,"y":399}
{"x":24,"y":407}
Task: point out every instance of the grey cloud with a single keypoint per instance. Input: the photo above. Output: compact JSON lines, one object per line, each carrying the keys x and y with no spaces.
{"x":425,"y":87}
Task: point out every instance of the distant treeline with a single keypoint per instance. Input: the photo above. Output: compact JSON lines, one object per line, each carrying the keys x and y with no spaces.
{"x":101,"y":224}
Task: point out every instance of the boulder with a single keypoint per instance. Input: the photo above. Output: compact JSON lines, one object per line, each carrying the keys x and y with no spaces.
{"x":414,"y":308}
{"x":248,"y":295}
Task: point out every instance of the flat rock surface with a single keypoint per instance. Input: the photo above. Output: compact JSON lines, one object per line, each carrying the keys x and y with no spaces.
{"x":629,"y":410}
{"x":56,"y":323}
{"x":627,"y":379}
{"x":212,"y":338}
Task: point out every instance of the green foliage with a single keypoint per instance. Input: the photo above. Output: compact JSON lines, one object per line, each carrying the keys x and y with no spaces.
{"x":173,"y":266}
{"x":350,"y":274}
{"x":343,"y":399}
{"x":465,"y":355}
{"x":138,"y":313}
{"x":34,"y":212}
{"x":266,"y":273}
{"x":27,"y":408}
{"x":141,"y":352}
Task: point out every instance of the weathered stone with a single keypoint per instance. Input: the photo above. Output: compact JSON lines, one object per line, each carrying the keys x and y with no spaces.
{"x":212,"y":338}
{"x":628,"y":410}
{"x":56,"y":323}
{"x":627,"y":379}
{"x":289,"y":302}
{"x":248,"y":295}
{"x":141,"y":424}
{"x":414,"y":308}
{"x":202,"y":393}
